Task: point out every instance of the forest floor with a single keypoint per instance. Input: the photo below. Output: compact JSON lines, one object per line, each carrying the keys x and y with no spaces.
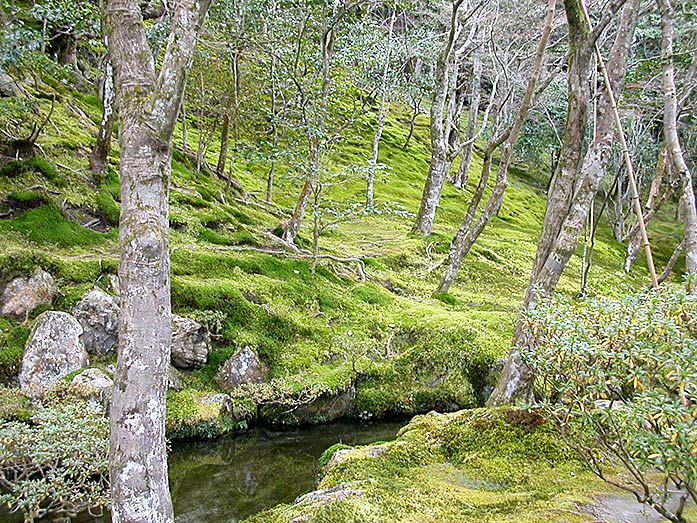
{"x":404,"y":350}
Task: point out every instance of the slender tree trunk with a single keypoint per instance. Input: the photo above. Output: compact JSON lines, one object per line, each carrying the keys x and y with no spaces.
{"x":671,"y":263}
{"x":415,"y":110}
{"x":224,"y":142}
{"x":148,"y":104}
{"x":442,"y":115}
{"x":315,"y":143}
{"x":466,"y":236}
{"x":651,"y":207}
{"x":101,"y":148}
{"x":576,"y":180}
{"x":382,"y":116}
{"x":182,"y":113}
{"x":672,"y":140}
{"x":462,"y":175}
{"x":274,"y":133}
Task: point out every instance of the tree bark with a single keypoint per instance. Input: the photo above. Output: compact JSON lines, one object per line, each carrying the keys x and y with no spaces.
{"x":315,"y":141}
{"x":576,"y":180}
{"x":101,"y":148}
{"x":467,"y":235}
{"x":442,"y":115}
{"x":672,"y":140}
{"x":651,"y":206}
{"x":148,"y":105}
{"x":224,"y":142}
{"x":382,"y":115}
{"x":462,"y":175}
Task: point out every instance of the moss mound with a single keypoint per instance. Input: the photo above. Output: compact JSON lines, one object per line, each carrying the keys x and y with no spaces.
{"x":471,"y":466}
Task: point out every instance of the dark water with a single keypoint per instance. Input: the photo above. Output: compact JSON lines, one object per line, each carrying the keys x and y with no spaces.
{"x":228,"y":479}
{"x":234,"y":477}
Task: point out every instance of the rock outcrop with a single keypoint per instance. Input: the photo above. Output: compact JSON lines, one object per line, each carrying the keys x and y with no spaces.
{"x":191,"y":343}
{"x":326,"y":407}
{"x":54,"y":350}
{"x":98,"y":313}
{"x":22,"y":295}
{"x":242,"y":368}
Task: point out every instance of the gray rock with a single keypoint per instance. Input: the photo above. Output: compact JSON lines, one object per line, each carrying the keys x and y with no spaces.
{"x":173,"y":381}
{"x":324,"y":408}
{"x":242,"y":368}
{"x":21,"y":296}
{"x":54,"y":350}
{"x":333,"y":494}
{"x":191,"y":343}
{"x":98,"y":313}
{"x":93,"y":378}
{"x":223,"y":401}
{"x":8,"y":87}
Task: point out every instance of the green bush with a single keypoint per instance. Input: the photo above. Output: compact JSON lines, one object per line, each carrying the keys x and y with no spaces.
{"x":55,"y":463}
{"x":620,"y":376}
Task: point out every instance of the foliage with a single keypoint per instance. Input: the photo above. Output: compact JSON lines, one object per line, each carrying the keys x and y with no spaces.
{"x":55,"y":462}
{"x":620,"y":377}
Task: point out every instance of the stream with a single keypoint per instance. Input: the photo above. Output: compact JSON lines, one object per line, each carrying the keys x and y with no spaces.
{"x":227,"y":479}
{"x":231,"y":478}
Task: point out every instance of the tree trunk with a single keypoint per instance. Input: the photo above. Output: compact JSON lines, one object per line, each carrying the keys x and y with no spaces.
{"x":382,"y":115}
{"x":442,"y":115}
{"x":575,"y":182}
{"x":224,"y":141}
{"x":466,"y":236}
{"x":651,"y":207}
{"x":101,"y":148}
{"x":148,"y":104}
{"x":672,"y":140}
{"x":315,"y":143}
{"x":462,"y":175}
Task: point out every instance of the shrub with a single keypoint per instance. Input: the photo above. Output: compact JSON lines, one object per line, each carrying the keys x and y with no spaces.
{"x":56,"y":462}
{"x":620,"y":376}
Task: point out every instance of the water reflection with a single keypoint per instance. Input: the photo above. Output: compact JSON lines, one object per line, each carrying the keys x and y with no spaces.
{"x":232,"y":478}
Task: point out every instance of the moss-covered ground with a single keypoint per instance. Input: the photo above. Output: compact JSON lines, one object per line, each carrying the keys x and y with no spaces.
{"x":405,"y":350}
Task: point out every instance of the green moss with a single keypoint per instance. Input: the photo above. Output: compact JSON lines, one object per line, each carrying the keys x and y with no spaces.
{"x":328,"y":454}
{"x":13,"y":338}
{"x":14,"y":406}
{"x":46,"y":225}
{"x":190,"y":415}
{"x":472,"y":466}
{"x":108,"y":206}
{"x":38,"y":165}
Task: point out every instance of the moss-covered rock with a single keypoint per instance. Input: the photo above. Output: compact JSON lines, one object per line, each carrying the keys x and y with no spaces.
{"x":192,"y":414}
{"x":470,"y":466}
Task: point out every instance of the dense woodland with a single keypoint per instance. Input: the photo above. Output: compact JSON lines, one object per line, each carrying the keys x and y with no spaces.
{"x":218,"y":214}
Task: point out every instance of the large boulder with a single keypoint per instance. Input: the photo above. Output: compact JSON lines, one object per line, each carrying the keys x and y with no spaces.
{"x":98,"y":313}
{"x":21,"y":296}
{"x":191,"y":343}
{"x":54,"y":350}
{"x":242,"y":368}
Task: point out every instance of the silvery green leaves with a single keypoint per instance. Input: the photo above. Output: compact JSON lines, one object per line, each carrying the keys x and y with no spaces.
{"x":620,"y":376}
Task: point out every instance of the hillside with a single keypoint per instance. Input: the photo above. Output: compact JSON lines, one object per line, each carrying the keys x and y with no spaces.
{"x":367,"y":317}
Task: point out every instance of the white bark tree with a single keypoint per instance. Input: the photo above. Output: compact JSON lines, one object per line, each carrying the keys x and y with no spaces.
{"x":148,"y":102}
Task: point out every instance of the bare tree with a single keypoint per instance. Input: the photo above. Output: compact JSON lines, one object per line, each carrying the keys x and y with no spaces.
{"x":672,"y":140}
{"x":577,"y":178}
{"x":148,"y":103}
{"x":467,"y":235}
{"x":444,"y":112}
